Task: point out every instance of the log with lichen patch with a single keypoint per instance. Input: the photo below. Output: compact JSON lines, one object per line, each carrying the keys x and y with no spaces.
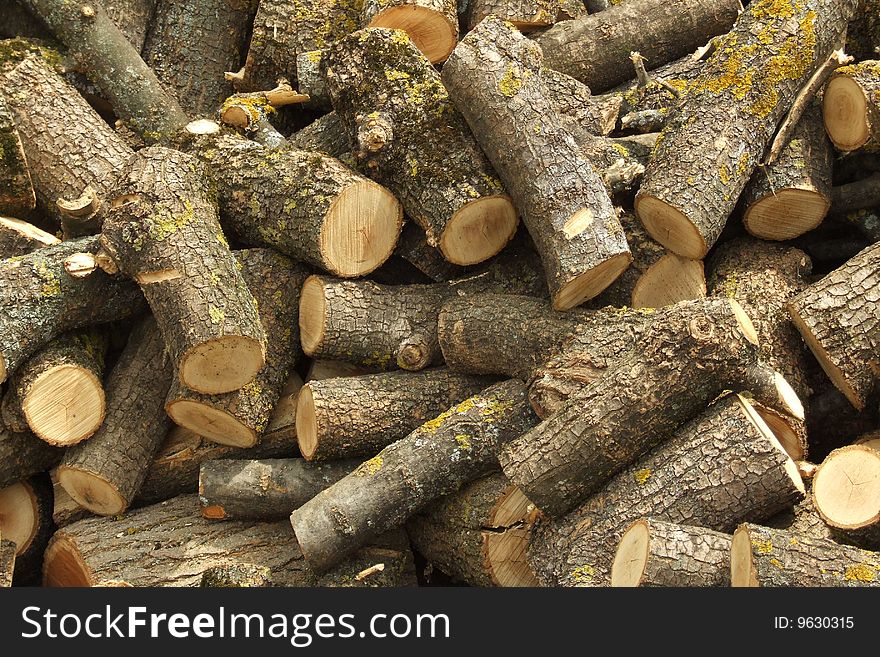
{"x":431,"y":24}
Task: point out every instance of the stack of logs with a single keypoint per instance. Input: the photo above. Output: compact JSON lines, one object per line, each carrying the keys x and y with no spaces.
{"x":268,"y":317}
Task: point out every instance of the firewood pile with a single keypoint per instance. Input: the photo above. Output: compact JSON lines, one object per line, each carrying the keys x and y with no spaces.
{"x":268,"y":316}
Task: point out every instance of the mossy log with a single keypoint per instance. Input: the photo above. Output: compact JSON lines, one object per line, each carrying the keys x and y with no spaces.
{"x":839,"y":318}
{"x":19,"y":237}
{"x":39,"y":300}
{"x":359,"y":416}
{"x":712,"y":143}
{"x":761,"y":556}
{"x":133,"y":17}
{"x":23,"y":455}
{"x":163,"y":231}
{"x":327,"y":134}
{"x":26,"y":520}
{"x":792,"y":195}
{"x":16,"y":188}
{"x":97,"y":551}
{"x":595,"y":48}
{"x":7,"y":562}
{"x":240,"y":417}
{"x":104,"y":473}
{"x":674,"y":370}
{"x":494,"y":78}
{"x":251,"y":112}
{"x":264,"y":490}
{"x":303,"y":204}
{"x":395,"y":326}
{"x":436,"y":459}
{"x":654,"y":552}
{"x":478,"y":534}
{"x":104,"y":53}
{"x":432,"y":25}
{"x":722,"y":468}
{"x":393,"y":104}
{"x":846,"y":493}
{"x":850,"y":106}
{"x":191,"y":44}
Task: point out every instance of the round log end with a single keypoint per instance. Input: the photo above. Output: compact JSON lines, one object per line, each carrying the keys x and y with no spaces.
{"x":63,"y":564}
{"x":669,"y":280}
{"x":505,"y":551}
{"x":91,"y":491}
{"x":755,"y":418}
{"x":360,"y":229}
{"x":222,"y":365}
{"x":631,"y":557}
{"x":212,"y":423}
{"x":430,"y":30}
{"x":312,"y":308}
{"x":670,"y":227}
{"x":742,"y":567}
{"x":846,"y":487}
{"x":236,"y":116}
{"x":590,"y":283}
{"x":306,"y":423}
{"x":786,"y":214}
{"x":65,"y":405}
{"x":479,"y":230}
{"x":19,"y":515}
{"x":845,"y":112}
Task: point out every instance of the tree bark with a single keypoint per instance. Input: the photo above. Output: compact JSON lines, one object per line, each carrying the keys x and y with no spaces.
{"x":654,"y":552}
{"x":720,"y":469}
{"x":26,"y":512}
{"x":801,"y":520}
{"x":98,"y":551}
{"x":494,"y":77}
{"x":766,"y":557}
{"x":133,"y":17}
{"x":432,"y":25}
{"x":716,"y":137}
{"x":359,"y":416}
{"x":595,"y":48}
{"x":7,"y":562}
{"x":310,"y":80}
{"x":478,"y":534}
{"x":328,"y":135}
{"x":850,"y":107}
{"x":162,"y":230}
{"x":839,"y":318}
{"x":846,"y":489}
{"x":434,"y":460}
{"x":525,"y":15}
{"x":16,"y":189}
{"x":105,"y":473}
{"x":238,"y":576}
{"x":19,"y":237}
{"x":240,"y":417}
{"x":673,"y":372}
{"x":264,"y":490}
{"x":23,"y":455}
{"x":421,"y":149}
{"x":282,"y":421}
{"x":863,"y":33}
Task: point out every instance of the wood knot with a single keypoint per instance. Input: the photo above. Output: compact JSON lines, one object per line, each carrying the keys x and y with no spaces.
{"x":413,"y":355}
{"x":701,"y":328}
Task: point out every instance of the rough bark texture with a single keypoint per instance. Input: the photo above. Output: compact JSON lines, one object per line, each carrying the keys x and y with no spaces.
{"x":595,"y":48}
{"x":7,"y":562}
{"x":23,"y":455}
{"x":673,"y":372}
{"x":310,"y":80}
{"x":239,"y":576}
{"x":19,"y":237}
{"x":325,"y":135}
{"x":414,"y":248}
{"x":132,"y":17}
{"x":431,"y":24}
{"x":526,"y":15}
{"x":111,"y":62}
{"x":16,"y":189}
{"x":368,"y":73}
{"x":713,"y":142}
{"x":275,"y":283}
{"x":839,"y":317}
{"x":112,"y":549}
{"x":863,"y":33}
{"x":39,"y":300}
{"x":162,"y":230}
{"x":192,"y":43}
{"x":494,"y":77}
{"x":264,"y":490}
{"x":775,"y":557}
{"x":361,"y":415}
{"x":104,"y":473}
{"x":866,"y":76}
{"x":718,"y":471}
{"x":434,"y":460}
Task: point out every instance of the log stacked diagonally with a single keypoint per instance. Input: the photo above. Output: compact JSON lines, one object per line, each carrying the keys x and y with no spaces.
{"x":272,"y":307}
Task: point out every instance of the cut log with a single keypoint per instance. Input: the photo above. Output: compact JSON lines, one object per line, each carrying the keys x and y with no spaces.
{"x":436,"y":459}
{"x":595,"y":48}
{"x":478,"y":534}
{"x":792,"y":195}
{"x":395,"y":326}
{"x":760,"y":556}
{"x":654,"y":552}
{"x":59,"y":392}
{"x":729,"y":116}
{"x":432,"y":25}
{"x":320,"y":369}
{"x":65,"y":510}
{"x":850,"y":108}
{"x":525,"y":15}
{"x":790,"y":431}
{"x":105,"y":54}
{"x":251,"y":112}
{"x":282,"y":421}
{"x":494,"y":78}
{"x":240,"y":417}
{"x":19,"y":237}
{"x":722,"y":468}
{"x":414,"y":248}
{"x":191,"y":44}
{"x":95,"y":551}
{"x":325,"y":135}
{"x":7,"y":562}
{"x":162,"y":230}
{"x":16,"y":188}
{"x":839,"y":318}
{"x":672,"y":373}
{"x":303,"y":204}
{"x":359,"y":416}
{"x":39,"y":300}
{"x":448,"y":188}
{"x":846,"y":493}
{"x":23,"y":455}
{"x":861,"y":194}
{"x":104,"y":473}
{"x":264,"y":490}
{"x":26,"y":520}
{"x":132,"y":17}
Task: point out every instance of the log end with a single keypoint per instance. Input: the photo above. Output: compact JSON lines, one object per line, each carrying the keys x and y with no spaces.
{"x":590,"y":283}
{"x":312,"y":309}
{"x":306,"y":423}
{"x":479,"y":230}
{"x":65,"y":405}
{"x":360,"y":230}
{"x":670,"y":227}
{"x":631,"y":557}
{"x":845,"y":112}
{"x":19,"y":515}
{"x":504,"y":548}
{"x":63,"y":564}
{"x":786,"y":214}
{"x":742,"y":567}
{"x":669,"y":280}
{"x":222,"y":365}
{"x":212,"y":423}
{"x":430,"y":30}
{"x":846,"y":487}
{"x":91,"y":491}
{"x":790,"y":432}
